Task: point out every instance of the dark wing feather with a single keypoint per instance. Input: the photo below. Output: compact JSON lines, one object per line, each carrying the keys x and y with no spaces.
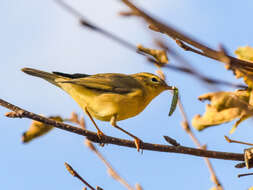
{"x":71,"y":76}
{"x":114,"y":83}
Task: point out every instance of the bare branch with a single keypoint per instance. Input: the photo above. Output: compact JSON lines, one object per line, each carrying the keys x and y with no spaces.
{"x":235,"y":141}
{"x":75,"y":174}
{"x":187,"y":128}
{"x":176,"y":35}
{"x":88,"y":24}
{"x":247,"y":174}
{"x":112,"y":172}
{"x":122,"y":142}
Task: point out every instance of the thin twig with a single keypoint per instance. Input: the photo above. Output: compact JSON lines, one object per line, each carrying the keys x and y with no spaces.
{"x":191,"y":70}
{"x":122,"y":142}
{"x":74,"y":118}
{"x":88,"y":24}
{"x":187,"y":128}
{"x":235,"y":141}
{"x":242,"y":175}
{"x":111,"y":171}
{"x":75,"y":174}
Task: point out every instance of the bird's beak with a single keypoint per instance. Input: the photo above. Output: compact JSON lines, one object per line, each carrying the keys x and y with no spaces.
{"x":170,"y":87}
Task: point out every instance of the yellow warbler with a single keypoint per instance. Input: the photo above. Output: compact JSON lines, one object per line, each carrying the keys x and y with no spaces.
{"x":110,"y":96}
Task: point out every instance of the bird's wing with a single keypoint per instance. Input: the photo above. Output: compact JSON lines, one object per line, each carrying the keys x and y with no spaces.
{"x":115,"y":83}
{"x":71,"y":76}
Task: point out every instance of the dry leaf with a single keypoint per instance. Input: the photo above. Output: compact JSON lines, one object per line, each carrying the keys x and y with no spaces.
{"x":159,"y":55}
{"x":38,"y":129}
{"x":223,"y":100}
{"x":227,"y":106}
{"x":224,"y":107}
{"x":216,"y":188}
{"x":245,"y":53}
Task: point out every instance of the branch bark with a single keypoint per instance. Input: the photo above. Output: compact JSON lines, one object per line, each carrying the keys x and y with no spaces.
{"x":21,"y":113}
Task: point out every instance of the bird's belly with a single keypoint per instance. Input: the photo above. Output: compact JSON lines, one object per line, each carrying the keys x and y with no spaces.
{"x":122,"y":107}
{"x":107,"y":105}
{"x":104,"y":106}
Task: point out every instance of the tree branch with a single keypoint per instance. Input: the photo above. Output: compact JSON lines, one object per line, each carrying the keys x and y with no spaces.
{"x":75,"y":174}
{"x":90,"y":25}
{"x":21,"y":113}
{"x":180,"y":37}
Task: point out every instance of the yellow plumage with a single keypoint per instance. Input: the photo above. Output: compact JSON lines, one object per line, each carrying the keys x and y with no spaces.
{"x":110,"y":96}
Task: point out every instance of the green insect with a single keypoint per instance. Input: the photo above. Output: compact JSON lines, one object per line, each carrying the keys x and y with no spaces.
{"x":174,"y":101}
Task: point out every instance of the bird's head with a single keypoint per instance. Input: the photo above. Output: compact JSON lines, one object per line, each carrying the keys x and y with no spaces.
{"x":151,"y":83}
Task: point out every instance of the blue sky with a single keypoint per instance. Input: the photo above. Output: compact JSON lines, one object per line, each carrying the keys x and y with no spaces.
{"x":41,"y":35}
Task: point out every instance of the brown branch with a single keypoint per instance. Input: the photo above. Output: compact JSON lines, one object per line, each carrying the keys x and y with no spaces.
{"x":176,"y":35}
{"x":191,"y":70}
{"x":203,"y":78}
{"x":75,"y":174}
{"x":235,"y":141}
{"x":75,"y":119}
{"x":112,"y":172}
{"x":88,"y":24}
{"x":242,"y":175}
{"x":122,"y":142}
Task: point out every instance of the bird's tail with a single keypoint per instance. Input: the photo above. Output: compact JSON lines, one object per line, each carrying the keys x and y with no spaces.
{"x":50,"y":77}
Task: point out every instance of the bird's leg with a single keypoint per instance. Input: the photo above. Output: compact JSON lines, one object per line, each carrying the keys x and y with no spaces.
{"x":99,"y":132}
{"x":137,"y":141}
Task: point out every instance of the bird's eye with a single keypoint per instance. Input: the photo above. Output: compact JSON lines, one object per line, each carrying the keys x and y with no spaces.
{"x":154,"y":79}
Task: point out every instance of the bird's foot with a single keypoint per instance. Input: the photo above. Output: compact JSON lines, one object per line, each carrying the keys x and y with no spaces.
{"x":100,"y":134}
{"x":138,"y":143}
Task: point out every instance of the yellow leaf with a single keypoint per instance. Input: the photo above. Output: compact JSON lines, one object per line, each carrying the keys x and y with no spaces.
{"x":159,"y":55}
{"x":216,"y":188}
{"x":224,"y":107}
{"x":223,"y":100}
{"x":245,"y":53}
{"x":213,"y":188}
{"x":38,"y":129}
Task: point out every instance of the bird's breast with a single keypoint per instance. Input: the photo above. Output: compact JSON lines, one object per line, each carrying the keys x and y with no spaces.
{"x":122,"y":105}
{"x":103,"y":106}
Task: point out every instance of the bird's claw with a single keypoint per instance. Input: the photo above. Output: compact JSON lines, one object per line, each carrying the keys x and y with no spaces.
{"x":138,"y":144}
{"x":100,"y":134}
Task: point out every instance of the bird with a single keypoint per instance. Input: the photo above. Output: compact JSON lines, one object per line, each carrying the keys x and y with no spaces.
{"x":108,"y":97}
